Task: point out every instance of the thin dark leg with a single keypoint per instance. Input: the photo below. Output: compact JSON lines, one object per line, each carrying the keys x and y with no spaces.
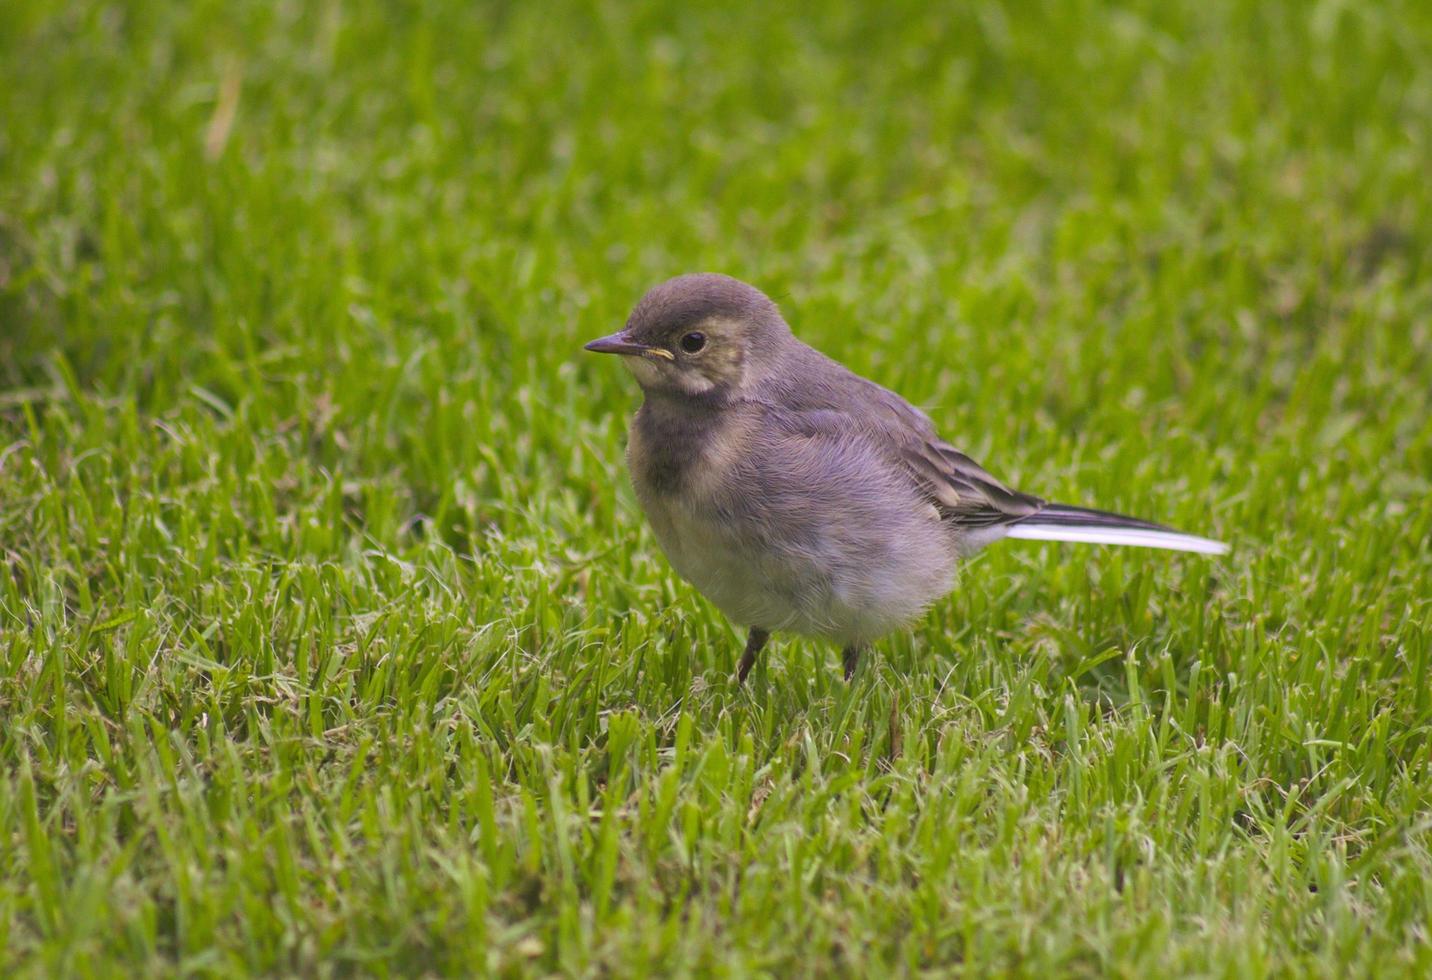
{"x":851,"y":656}
{"x":754,"y":641}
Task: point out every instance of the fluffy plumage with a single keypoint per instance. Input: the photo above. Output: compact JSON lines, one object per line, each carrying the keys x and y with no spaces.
{"x":799,"y":496}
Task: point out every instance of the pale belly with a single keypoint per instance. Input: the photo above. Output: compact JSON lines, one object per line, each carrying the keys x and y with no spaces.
{"x":850,"y":586}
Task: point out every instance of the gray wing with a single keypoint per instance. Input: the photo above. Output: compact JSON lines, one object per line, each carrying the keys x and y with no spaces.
{"x":963,"y":492}
{"x":829,"y":397}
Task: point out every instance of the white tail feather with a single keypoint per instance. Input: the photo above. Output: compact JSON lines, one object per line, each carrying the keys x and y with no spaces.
{"x":1136,"y":537}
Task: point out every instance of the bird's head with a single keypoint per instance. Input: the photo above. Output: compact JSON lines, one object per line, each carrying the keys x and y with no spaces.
{"x":699,"y":336}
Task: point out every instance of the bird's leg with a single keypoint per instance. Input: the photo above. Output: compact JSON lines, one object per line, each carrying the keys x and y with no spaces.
{"x":851,"y":656}
{"x":754,"y":641}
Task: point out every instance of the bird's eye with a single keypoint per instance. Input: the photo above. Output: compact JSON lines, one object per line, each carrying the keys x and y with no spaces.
{"x":693,"y":342}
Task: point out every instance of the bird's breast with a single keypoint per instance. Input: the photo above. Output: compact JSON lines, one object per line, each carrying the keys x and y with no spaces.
{"x":685,"y":454}
{"x":687,"y":475}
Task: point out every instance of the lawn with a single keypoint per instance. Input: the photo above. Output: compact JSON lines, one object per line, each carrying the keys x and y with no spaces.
{"x":332,"y":640}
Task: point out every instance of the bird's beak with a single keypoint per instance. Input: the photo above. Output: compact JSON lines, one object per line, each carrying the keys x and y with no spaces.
{"x":620,"y":343}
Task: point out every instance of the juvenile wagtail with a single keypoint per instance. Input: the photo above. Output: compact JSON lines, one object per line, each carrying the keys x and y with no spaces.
{"x":799,"y":496}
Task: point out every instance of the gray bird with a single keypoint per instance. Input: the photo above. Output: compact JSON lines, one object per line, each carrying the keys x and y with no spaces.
{"x":799,"y":496}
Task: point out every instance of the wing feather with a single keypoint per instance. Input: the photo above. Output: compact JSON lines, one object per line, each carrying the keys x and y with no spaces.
{"x":964,"y":493}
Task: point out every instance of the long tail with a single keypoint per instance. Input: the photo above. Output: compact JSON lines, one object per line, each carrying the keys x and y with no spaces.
{"x":1060,"y":522}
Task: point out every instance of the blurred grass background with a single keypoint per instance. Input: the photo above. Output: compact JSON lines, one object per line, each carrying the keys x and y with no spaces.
{"x":331,"y":640}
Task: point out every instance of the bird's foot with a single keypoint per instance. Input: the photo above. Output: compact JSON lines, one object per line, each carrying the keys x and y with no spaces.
{"x":851,"y":656}
{"x":755,"y":640}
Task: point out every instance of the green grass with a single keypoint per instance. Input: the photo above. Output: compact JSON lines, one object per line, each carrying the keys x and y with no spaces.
{"x":331,"y":638}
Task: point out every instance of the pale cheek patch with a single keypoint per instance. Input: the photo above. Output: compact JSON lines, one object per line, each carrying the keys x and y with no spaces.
{"x":693,"y":382}
{"x":647,"y":374}
{"x":652,"y":375}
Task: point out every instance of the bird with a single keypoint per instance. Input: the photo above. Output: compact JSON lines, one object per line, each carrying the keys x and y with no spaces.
{"x":800,"y":497}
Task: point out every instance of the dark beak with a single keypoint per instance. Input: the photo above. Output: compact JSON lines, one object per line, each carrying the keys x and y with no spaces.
{"x":619,"y":343}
